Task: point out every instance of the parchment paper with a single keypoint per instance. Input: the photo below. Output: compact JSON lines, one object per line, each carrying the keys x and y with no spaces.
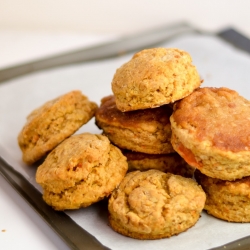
{"x":218,"y":63}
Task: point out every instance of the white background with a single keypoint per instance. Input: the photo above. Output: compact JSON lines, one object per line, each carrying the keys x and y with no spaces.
{"x":117,"y":16}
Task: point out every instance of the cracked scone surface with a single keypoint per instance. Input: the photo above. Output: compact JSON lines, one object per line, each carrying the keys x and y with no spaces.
{"x":210,"y":130}
{"x":154,"y":77}
{"x":154,"y":205}
{"x":53,"y":122}
{"x":226,"y":200}
{"x":147,"y":131}
{"x":171,"y":163}
{"x":82,"y":170}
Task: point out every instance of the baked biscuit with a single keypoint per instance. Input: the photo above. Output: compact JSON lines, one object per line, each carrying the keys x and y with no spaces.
{"x":211,"y":131}
{"x":154,"y":205}
{"x":53,"y":122}
{"x":82,"y":170}
{"x":226,"y":200}
{"x":171,"y":163}
{"x":146,"y":131}
{"x":154,"y":77}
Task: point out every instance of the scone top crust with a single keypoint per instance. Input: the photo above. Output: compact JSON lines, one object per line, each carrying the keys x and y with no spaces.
{"x":72,"y":161}
{"x":147,"y":119}
{"x":154,"y":77}
{"x":51,"y":123}
{"x":219,"y":116}
{"x":153,"y":204}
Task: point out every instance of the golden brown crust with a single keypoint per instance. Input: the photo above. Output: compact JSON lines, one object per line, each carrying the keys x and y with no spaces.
{"x":154,"y":77}
{"x":154,"y":205}
{"x":226,"y":200}
{"x":82,"y":170}
{"x":146,"y":131}
{"x":53,"y":122}
{"x":230,"y":110}
{"x":168,"y":163}
{"x":210,"y":130}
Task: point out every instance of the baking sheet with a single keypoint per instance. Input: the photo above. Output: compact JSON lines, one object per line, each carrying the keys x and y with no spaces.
{"x":218,"y":63}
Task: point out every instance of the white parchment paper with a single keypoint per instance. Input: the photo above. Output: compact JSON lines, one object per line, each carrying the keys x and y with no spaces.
{"x":218,"y":63}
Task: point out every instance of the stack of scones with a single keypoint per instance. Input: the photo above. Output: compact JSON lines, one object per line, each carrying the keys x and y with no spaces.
{"x":168,"y":149}
{"x":155,"y":199}
{"x":210,"y":130}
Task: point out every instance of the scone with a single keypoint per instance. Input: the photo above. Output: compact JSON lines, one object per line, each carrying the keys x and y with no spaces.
{"x":53,"y":122}
{"x":171,"y":163}
{"x":211,"y":131}
{"x":226,"y":200}
{"x":147,"y":131}
{"x":82,"y":170}
{"x":154,"y":77}
{"x":154,"y":205}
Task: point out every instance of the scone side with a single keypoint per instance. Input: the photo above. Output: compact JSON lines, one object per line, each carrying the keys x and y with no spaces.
{"x":145,"y":131}
{"x":209,"y":160}
{"x":226,"y":200}
{"x":139,"y":140}
{"x":171,"y":163}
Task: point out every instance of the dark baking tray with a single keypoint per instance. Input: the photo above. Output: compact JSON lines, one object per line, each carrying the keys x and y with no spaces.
{"x":75,"y":236}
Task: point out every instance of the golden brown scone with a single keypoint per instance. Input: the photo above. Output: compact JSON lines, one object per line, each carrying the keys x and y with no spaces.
{"x":147,"y":131}
{"x":154,"y":77}
{"x":226,"y":200}
{"x":211,"y":131}
{"x":154,"y":205}
{"x":82,"y":170}
{"x":171,"y":163}
{"x":53,"y":122}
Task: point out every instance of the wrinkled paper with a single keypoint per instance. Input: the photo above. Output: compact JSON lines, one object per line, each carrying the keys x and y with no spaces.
{"x":219,"y":64}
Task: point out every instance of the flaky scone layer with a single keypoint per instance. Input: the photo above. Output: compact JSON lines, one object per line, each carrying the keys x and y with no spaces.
{"x":146,"y":131}
{"x":154,"y":205}
{"x":171,"y":163}
{"x":226,"y":200}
